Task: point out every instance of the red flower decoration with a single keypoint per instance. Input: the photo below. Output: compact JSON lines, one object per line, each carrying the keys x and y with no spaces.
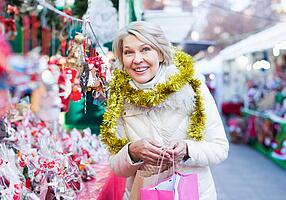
{"x":13,"y":10}
{"x":76,"y":94}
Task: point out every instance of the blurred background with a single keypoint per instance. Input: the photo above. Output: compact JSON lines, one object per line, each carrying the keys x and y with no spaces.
{"x":56,"y":63}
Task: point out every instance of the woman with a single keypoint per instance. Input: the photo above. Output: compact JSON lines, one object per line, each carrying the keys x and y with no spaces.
{"x":157,"y":104}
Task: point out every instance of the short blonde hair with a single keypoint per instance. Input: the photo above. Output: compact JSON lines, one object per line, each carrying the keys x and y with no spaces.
{"x":148,"y":33}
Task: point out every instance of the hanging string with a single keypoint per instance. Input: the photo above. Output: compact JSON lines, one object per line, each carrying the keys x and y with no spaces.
{"x":52,"y":8}
{"x":96,"y":39}
{"x":73,"y":23}
{"x":84,"y":22}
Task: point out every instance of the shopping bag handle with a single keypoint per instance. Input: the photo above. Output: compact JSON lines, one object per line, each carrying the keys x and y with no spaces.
{"x":161,"y":164}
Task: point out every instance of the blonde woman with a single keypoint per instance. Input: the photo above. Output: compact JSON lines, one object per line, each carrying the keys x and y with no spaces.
{"x":158,"y":104}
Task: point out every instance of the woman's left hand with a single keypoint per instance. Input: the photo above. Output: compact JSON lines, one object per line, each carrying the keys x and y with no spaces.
{"x":178,"y":149}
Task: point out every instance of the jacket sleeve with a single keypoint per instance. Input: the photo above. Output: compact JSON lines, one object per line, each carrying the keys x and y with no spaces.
{"x":214,"y":148}
{"x":121,"y":163}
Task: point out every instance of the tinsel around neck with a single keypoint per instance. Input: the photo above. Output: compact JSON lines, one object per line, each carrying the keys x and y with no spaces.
{"x":121,"y":91}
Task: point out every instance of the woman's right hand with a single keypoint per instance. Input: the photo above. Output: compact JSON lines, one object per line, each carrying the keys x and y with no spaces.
{"x":148,"y":150}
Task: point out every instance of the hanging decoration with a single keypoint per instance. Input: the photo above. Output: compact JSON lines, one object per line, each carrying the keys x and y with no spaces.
{"x":46,"y":162}
{"x":35,"y":25}
{"x":26,"y":31}
{"x":97,"y":82}
{"x":83,"y":70}
{"x":8,"y":25}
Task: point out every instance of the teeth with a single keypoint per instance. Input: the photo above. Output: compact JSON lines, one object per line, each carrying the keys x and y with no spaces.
{"x":140,"y":69}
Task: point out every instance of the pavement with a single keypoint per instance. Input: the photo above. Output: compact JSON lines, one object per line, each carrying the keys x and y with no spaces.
{"x":248,"y":175}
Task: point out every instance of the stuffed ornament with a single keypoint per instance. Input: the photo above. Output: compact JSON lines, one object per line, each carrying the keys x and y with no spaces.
{"x":45,"y":100}
{"x":99,"y":78}
{"x":50,"y":105}
{"x":76,"y":94}
{"x":76,"y":61}
{"x":77,"y":55}
{"x":70,"y":88}
{"x":66,"y":82}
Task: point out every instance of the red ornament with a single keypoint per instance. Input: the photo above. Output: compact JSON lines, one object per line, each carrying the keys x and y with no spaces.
{"x":12,"y":10}
{"x":34,"y":31}
{"x":28,"y":183}
{"x":22,"y":163}
{"x":76,"y":94}
{"x":26,"y":31}
{"x":75,"y":185}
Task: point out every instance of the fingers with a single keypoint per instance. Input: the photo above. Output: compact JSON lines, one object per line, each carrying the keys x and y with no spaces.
{"x":147,"y":150}
{"x":151,"y":152}
{"x":177,"y":149}
{"x":155,"y":155}
{"x":173,"y":144}
{"x":154,"y":143}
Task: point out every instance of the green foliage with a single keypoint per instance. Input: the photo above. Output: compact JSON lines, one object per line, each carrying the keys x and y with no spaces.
{"x":80,"y":7}
{"x":15,"y":2}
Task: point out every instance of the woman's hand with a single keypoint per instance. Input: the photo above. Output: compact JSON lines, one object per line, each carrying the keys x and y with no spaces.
{"x":178,"y":149}
{"x":148,"y":150}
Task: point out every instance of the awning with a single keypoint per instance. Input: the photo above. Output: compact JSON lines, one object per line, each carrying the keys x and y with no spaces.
{"x":263,"y":40}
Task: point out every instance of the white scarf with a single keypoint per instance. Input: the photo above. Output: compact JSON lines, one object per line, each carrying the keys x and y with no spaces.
{"x":150,"y":84}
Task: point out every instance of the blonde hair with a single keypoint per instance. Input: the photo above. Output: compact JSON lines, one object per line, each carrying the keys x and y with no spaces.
{"x":148,"y":33}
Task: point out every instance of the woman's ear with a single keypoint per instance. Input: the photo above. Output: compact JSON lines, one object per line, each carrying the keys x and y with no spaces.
{"x":161,"y":57}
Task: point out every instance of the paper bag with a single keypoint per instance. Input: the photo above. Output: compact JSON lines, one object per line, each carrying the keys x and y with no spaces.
{"x":144,"y":179}
{"x":177,"y":187}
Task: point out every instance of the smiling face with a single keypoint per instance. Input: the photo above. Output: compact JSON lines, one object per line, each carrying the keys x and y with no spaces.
{"x":140,"y":60}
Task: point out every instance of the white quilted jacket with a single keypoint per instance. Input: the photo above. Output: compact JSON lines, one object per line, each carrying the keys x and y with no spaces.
{"x":170,"y":121}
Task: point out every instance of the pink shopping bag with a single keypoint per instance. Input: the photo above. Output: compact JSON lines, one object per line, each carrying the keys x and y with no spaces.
{"x":177,"y":187}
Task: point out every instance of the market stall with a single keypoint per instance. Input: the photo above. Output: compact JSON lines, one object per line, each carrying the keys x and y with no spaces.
{"x":42,"y":154}
{"x":254,"y":77}
{"x":266,"y":132}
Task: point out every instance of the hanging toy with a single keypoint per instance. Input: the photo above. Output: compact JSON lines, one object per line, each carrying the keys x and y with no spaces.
{"x":66,"y":82}
{"x":26,"y":33}
{"x":77,"y":56}
{"x":35,"y":25}
{"x":49,"y":102}
{"x":76,"y":94}
{"x":95,"y":66}
{"x":10,"y":22}
{"x":97,"y":78}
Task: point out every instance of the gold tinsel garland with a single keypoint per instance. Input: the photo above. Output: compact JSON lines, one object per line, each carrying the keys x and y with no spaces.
{"x":121,"y":91}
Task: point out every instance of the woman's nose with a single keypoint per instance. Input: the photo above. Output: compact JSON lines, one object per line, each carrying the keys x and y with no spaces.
{"x":138,"y":58}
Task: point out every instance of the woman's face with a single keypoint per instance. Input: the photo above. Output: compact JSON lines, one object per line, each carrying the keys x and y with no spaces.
{"x":140,"y":60}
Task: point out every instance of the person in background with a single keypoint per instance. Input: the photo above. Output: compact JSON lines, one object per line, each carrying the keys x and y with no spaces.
{"x":157,"y":104}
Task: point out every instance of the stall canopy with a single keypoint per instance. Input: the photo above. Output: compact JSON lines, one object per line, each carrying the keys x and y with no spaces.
{"x":207,"y":66}
{"x":194,"y":47}
{"x":260,"y":41}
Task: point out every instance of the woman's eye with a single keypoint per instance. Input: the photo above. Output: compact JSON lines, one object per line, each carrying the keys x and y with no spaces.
{"x":146,"y":49}
{"x":127,"y":52}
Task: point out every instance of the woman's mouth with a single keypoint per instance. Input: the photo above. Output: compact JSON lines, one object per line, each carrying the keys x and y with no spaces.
{"x":141,"y":69}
